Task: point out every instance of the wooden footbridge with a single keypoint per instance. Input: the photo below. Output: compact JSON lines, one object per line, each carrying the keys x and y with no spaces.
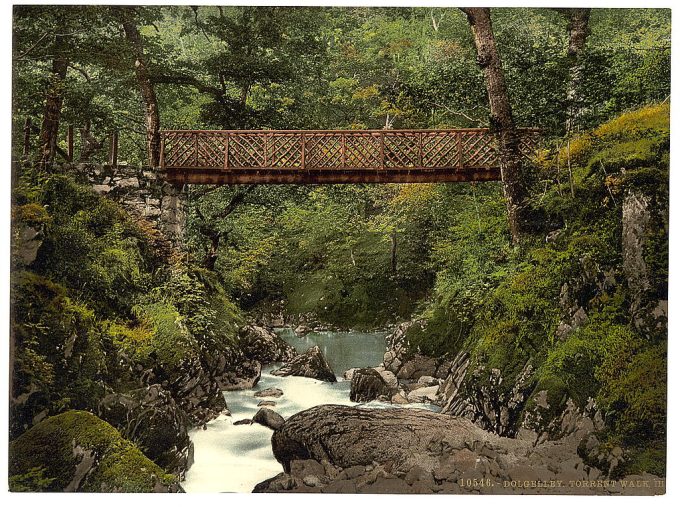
{"x":333,"y":156}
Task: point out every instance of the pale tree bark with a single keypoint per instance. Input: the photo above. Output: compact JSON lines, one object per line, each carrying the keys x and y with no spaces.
{"x":54,"y":98}
{"x":578,"y":33}
{"x":501,"y":119}
{"x":146,"y":87}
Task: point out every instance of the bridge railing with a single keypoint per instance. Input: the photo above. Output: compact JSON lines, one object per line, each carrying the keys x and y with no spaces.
{"x":321,"y":150}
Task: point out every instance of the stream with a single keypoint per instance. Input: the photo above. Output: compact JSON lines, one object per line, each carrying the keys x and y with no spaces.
{"x":229,"y":458}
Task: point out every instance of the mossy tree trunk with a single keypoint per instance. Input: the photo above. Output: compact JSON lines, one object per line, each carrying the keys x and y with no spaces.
{"x":501,"y":119}
{"x":54,"y":98}
{"x":146,"y":87}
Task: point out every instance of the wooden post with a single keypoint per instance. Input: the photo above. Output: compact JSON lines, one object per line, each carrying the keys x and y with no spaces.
{"x":113,"y":152}
{"x":161,"y":156}
{"x":27,"y":138}
{"x":420,"y":149}
{"x":69,"y":143}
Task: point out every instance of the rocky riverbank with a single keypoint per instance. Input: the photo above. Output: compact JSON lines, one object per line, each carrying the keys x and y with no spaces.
{"x":339,"y":449}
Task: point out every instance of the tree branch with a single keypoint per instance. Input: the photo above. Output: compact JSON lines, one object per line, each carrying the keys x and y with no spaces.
{"x":184,"y":80}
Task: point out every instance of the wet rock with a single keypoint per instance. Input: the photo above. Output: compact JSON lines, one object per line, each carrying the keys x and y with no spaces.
{"x":423,"y":395}
{"x":262,"y":345}
{"x":312,"y":481}
{"x":305,"y":467}
{"x":390,"y":485}
{"x":417,"y":366}
{"x":311,"y":364}
{"x":428,"y":381}
{"x":281,"y":482}
{"x":151,"y":418}
{"x":302,"y":330}
{"x":28,"y":241}
{"x":274,"y":392}
{"x":399,"y":399}
{"x":241,"y":422}
{"x":349,"y":374}
{"x":350,"y":436}
{"x":269,"y":418}
{"x":389,"y":378}
{"x":367,"y":385}
{"x":341,"y":486}
{"x":244,"y":375}
{"x":266,"y":403}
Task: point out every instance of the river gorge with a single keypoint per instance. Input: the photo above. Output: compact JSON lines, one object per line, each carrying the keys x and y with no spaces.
{"x":234,"y":458}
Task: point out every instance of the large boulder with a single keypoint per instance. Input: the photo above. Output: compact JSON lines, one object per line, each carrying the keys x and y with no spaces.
{"x":195,"y":388}
{"x":77,"y":451}
{"x":267,"y":417}
{"x":265,"y":346}
{"x":367,"y":385}
{"x":311,"y":364}
{"x":152,"y":420}
{"x":244,"y":375}
{"x":350,"y":436}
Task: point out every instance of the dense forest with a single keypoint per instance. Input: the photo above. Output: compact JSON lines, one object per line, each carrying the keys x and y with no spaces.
{"x":104,"y":305}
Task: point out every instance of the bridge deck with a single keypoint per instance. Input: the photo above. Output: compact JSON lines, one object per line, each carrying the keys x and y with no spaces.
{"x":333,"y":156}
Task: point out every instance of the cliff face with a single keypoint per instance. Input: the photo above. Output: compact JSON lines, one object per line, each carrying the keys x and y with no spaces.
{"x":580,"y":312}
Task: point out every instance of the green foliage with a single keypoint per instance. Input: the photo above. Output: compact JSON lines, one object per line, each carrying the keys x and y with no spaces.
{"x":93,"y":247}
{"x":633,"y":377}
{"x":60,"y":359}
{"x":31,"y":481}
{"x":160,"y":336}
{"x":50,"y":449}
{"x":207,"y":312}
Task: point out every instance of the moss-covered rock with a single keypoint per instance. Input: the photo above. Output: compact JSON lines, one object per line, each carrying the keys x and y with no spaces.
{"x":77,"y":451}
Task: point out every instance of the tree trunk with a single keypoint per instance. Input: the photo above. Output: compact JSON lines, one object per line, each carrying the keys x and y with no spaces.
{"x":502,"y":122}
{"x":153,"y":123}
{"x":54,"y":97}
{"x":578,"y":32}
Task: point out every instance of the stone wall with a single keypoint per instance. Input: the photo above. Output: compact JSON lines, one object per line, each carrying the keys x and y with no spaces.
{"x":142,"y":192}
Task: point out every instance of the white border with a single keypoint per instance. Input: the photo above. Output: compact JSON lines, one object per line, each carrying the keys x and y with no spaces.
{"x":673,"y":488}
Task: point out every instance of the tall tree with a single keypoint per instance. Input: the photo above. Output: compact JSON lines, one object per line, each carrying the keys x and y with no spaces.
{"x":146,"y":87}
{"x":501,"y":119}
{"x":54,"y":98}
{"x":578,"y":32}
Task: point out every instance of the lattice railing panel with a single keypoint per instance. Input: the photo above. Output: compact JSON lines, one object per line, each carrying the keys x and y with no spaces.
{"x":362,"y":151}
{"x":402,"y":149}
{"x":210,"y":150}
{"x":478,"y":150}
{"x":323,"y":151}
{"x":246,"y":151}
{"x":180,"y":149}
{"x":284,"y":150}
{"x":440,"y":149}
